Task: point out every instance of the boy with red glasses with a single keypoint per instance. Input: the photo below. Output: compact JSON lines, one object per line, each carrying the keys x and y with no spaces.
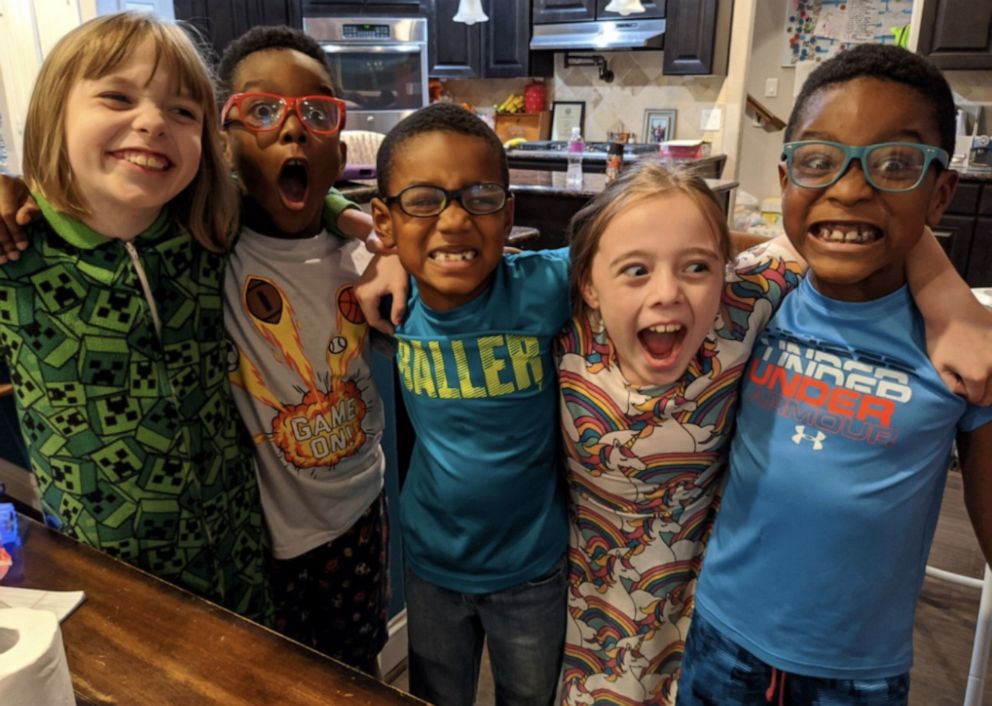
{"x":303,"y":380}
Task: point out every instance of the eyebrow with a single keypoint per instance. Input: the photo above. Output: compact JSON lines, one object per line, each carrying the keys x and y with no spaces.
{"x":263,"y":86}
{"x":898,"y":136}
{"x":642,"y":254}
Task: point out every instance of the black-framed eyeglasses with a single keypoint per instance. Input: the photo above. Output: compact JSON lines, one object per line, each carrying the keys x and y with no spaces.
{"x":427,"y":200}
{"x":887,"y":166}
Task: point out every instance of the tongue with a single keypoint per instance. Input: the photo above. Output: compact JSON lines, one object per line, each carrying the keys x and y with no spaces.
{"x":293,"y":184}
{"x":660,"y":345}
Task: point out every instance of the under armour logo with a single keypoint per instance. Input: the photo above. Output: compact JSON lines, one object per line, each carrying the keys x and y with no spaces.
{"x":816,"y":438}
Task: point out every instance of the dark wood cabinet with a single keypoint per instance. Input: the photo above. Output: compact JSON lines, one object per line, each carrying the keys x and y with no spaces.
{"x":499,"y":48}
{"x":957,"y":34}
{"x":965,"y":232}
{"x":652,"y":10}
{"x":697,"y":37}
{"x":223,"y":20}
{"x":546,"y":11}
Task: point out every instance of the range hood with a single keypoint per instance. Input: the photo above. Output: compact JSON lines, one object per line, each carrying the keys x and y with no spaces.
{"x":602,"y":34}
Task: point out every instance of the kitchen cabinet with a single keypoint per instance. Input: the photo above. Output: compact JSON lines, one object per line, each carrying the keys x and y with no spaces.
{"x":499,"y":48}
{"x":957,"y":34}
{"x":223,"y":20}
{"x":547,"y":11}
{"x":697,"y":37}
{"x":965,"y":231}
{"x":652,"y":9}
{"x":564,"y":10}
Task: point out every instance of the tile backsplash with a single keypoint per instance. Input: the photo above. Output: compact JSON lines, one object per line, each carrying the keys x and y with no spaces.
{"x":638,"y":86}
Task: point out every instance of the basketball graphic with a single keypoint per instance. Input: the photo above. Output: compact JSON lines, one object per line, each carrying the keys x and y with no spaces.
{"x":349,"y":307}
{"x":264,"y":301}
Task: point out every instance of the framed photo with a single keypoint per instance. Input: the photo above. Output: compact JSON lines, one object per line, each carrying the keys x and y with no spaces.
{"x":564,"y":116}
{"x":659,"y":126}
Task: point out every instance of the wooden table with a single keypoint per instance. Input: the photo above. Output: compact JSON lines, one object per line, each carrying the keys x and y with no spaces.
{"x":139,"y":640}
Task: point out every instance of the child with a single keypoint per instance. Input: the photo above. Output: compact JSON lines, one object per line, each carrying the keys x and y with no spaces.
{"x":111,"y":323}
{"x":303,"y":378}
{"x":483,"y":519}
{"x":845,"y":429}
{"x":648,"y":369}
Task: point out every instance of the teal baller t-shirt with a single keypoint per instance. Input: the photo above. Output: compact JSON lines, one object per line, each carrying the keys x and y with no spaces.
{"x":482,"y":508}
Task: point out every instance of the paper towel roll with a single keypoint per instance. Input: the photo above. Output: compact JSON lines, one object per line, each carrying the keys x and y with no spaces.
{"x":33,"y":669}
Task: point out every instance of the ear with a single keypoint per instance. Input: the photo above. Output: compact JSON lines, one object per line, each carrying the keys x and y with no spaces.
{"x":383,"y":222}
{"x":225,"y":145}
{"x":508,"y":213}
{"x":343,"y":146}
{"x":783,"y":177}
{"x":940,"y":197}
{"x":589,"y":295}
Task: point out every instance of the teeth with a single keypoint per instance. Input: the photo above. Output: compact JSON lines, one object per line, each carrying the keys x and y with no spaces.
{"x":665,"y":328}
{"x":856,"y":234}
{"x":143,"y":159}
{"x":454,"y":256}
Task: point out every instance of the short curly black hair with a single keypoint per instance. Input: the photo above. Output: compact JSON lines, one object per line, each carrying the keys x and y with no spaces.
{"x":259,"y":39}
{"x":437,"y":117}
{"x":887,"y":63}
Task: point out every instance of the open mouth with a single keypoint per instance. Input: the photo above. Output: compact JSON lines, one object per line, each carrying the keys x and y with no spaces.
{"x":294,"y":182}
{"x":449,"y":257}
{"x":150,"y":161}
{"x":846,"y":233}
{"x":662,"y":341}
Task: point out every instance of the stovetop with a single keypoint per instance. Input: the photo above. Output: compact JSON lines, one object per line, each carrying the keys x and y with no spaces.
{"x":562,"y":146}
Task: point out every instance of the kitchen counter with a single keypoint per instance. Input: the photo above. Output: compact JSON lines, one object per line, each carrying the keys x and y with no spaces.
{"x":139,"y":640}
{"x":545,"y":201}
{"x":539,"y":181}
{"x":595,"y":162}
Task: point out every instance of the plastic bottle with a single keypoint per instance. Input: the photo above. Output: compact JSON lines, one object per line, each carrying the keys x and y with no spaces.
{"x":576,"y":150}
{"x":614,"y":161}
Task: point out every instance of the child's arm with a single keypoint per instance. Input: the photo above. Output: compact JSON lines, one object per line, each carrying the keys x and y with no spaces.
{"x":975,"y":451}
{"x":959,"y":328}
{"x":383,"y":277}
{"x":17,"y":209}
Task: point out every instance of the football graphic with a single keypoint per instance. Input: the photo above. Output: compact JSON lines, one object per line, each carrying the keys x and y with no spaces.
{"x":263,"y":301}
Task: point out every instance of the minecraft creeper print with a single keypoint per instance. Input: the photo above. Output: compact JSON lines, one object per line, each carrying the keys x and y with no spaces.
{"x":131,"y":432}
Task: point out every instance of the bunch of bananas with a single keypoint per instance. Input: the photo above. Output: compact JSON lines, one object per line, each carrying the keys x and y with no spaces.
{"x":513,"y":103}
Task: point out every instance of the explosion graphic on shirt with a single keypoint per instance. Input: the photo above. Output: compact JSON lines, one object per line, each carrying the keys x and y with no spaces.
{"x":326,"y":425}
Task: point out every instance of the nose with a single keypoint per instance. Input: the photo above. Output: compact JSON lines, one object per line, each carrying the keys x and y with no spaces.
{"x":292,"y":129}
{"x":853,"y":184}
{"x":149,"y":119}
{"x":454,"y":217}
{"x":665,"y":288}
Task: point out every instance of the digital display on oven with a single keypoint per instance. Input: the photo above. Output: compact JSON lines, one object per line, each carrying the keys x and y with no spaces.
{"x":365,"y":31}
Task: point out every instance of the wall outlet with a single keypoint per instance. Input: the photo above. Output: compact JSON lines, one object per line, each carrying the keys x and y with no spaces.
{"x":711,"y":119}
{"x":771,"y":87}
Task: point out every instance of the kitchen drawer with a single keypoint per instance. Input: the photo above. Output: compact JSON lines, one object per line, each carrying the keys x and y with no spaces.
{"x":985,"y":203}
{"x":954,"y":233}
{"x":966,"y":198}
{"x":980,"y":257}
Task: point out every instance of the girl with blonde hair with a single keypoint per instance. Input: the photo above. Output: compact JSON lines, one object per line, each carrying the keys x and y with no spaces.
{"x":111,"y":318}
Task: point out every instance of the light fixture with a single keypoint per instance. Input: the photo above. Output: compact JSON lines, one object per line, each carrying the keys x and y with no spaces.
{"x":625,"y":7}
{"x":470,"y":12}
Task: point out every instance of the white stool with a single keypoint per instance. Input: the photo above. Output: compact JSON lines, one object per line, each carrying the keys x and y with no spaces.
{"x":983,"y":631}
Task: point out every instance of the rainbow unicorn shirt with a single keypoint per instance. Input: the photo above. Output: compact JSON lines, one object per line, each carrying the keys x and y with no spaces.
{"x":644,"y":466}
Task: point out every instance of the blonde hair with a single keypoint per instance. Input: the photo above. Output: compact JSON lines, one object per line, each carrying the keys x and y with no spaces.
{"x":645,"y":180}
{"x":208,"y":206}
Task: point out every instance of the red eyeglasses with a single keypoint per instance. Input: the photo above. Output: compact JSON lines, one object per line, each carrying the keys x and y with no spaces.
{"x":262,"y":112}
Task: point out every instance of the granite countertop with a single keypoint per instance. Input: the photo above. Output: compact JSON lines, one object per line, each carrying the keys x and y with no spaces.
{"x":968,"y":174}
{"x":539,"y":181}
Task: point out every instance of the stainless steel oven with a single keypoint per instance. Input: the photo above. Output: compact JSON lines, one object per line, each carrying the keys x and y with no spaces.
{"x":378,"y":65}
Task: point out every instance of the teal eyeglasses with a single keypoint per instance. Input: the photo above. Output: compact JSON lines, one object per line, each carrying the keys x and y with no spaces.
{"x":887,"y":166}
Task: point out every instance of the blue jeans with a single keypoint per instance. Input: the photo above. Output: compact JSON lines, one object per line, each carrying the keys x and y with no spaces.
{"x":718,"y":672}
{"x":524,"y":627}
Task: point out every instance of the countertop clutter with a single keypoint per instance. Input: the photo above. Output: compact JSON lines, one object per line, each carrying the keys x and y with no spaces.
{"x":139,"y":640}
